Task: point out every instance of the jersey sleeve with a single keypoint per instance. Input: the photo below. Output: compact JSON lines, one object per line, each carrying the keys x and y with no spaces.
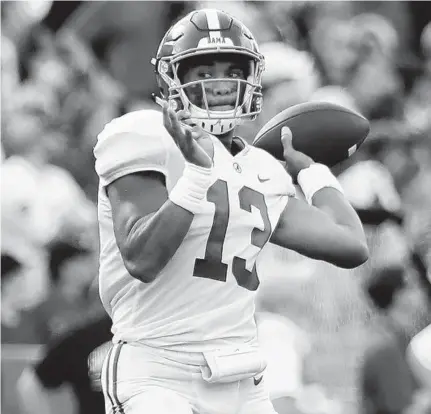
{"x":135,"y":142}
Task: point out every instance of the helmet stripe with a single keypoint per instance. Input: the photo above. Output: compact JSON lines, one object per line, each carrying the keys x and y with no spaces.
{"x":213,"y":23}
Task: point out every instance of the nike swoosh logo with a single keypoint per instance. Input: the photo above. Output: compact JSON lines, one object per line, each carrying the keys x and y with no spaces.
{"x":258,"y":380}
{"x":262,"y":179}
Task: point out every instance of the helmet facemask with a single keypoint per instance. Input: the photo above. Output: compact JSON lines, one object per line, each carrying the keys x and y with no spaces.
{"x":248,"y":99}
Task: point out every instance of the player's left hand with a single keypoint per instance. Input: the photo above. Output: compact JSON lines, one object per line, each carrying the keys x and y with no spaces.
{"x":295,"y":160}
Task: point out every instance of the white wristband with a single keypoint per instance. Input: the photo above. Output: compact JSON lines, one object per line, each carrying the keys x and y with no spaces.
{"x":191,"y":188}
{"x":316,"y":177}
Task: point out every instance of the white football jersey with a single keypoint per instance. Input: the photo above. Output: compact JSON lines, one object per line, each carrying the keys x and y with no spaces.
{"x":204,"y":297}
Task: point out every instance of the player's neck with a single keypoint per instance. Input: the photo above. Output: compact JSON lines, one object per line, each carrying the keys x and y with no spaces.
{"x":226,"y":140}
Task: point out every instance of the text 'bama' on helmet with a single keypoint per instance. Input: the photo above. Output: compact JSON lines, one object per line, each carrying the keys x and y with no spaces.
{"x":205,"y":32}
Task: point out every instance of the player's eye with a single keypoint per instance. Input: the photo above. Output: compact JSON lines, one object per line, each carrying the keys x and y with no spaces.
{"x":236,"y":74}
{"x":205,"y":74}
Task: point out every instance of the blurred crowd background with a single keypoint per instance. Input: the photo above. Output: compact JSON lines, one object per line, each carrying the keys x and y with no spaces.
{"x":68,"y":68}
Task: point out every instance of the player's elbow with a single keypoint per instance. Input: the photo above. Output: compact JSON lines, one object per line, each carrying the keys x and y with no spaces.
{"x":141,"y":258}
{"x":146,"y":271}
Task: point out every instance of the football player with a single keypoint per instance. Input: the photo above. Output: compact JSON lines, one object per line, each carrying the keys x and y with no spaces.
{"x":185,"y":208}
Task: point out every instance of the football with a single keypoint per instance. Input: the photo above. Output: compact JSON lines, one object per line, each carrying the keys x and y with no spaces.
{"x":326,"y":132}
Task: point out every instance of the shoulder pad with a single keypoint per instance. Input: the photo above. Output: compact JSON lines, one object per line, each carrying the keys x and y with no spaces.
{"x":134,"y":142}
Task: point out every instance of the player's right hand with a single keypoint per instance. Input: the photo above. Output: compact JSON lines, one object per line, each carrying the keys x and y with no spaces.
{"x":195,"y":143}
{"x":295,"y":160}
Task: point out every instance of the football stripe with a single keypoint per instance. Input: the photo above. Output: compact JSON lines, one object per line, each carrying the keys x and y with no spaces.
{"x":111,"y":379}
{"x":213,"y":23}
{"x":114,"y":379}
{"x":108,"y":362}
{"x":352,"y":149}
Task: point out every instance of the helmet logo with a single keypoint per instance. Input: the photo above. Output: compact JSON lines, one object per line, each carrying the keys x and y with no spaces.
{"x":217,"y":40}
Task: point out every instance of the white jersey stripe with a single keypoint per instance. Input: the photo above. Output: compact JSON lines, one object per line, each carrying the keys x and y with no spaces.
{"x":213,"y":23}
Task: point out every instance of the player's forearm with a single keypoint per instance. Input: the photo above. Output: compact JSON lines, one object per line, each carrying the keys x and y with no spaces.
{"x":323,"y":191}
{"x":152,"y":242}
{"x":333,"y":203}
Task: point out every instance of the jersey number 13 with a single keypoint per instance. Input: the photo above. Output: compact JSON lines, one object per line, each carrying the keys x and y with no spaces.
{"x":211,"y":266}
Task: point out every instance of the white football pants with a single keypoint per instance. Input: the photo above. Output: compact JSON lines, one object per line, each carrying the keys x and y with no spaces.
{"x":137,"y":379}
